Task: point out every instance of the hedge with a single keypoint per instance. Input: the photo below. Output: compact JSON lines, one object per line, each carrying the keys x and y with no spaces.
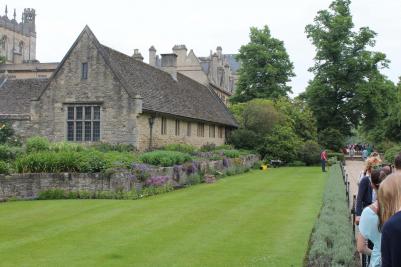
{"x":390,"y":154}
{"x":339,"y":156}
{"x":331,"y":242}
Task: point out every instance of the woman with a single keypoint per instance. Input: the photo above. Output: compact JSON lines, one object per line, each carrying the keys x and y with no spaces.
{"x":366,"y":195}
{"x":369,"y":225}
{"x":389,"y":198}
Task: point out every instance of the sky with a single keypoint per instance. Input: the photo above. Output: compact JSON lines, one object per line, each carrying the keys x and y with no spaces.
{"x":202,"y":26}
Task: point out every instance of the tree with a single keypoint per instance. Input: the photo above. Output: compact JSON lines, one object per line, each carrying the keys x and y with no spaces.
{"x":265,"y":68}
{"x":343,"y":69}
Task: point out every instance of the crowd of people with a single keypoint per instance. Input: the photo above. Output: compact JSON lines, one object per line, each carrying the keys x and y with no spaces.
{"x":358,"y":149}
{"x":378,"y":212}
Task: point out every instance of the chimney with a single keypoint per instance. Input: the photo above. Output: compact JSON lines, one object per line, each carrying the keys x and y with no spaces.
{"x":219,"y":51}
{"x":169,"y":64}
{"x":181,"y":52}
{"x":137,"y":55}
{"x":152,"y":56}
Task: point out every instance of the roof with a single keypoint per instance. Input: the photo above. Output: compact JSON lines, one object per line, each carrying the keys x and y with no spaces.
{"x":161,"y":93}
{"x":15,"y":95}
{"x":183,"y":97}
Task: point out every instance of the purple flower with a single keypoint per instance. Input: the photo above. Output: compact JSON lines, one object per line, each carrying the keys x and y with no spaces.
{"x":157,"y":181}
{"x":225,"y":162}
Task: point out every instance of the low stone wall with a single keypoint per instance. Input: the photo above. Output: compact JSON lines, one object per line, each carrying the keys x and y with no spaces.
{"x":29,"y":185}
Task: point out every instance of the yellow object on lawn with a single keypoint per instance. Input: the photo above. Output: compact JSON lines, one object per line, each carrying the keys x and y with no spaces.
{"x":263,"y":167}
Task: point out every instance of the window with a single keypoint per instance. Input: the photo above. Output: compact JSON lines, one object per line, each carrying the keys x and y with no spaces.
{"x":84,"y":71}
{"x":83,"y":123}
{"x":220,"y":132}
{"x":164,"y":126}
{"x":201,"y":129}
{"x":189,"y":129}
{"x":212,"y":131}
{"x":177,"y":127}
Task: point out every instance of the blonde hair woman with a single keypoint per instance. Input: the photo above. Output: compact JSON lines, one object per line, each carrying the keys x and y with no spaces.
{"x":389,"y":198}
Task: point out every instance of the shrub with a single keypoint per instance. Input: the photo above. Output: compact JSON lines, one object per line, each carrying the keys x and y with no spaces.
{"x":208,"y":147}
{"x":9,"y":153}
{"x":66,"y":146}
{"x":331,"y":242}
{"x":164,"y":158}
{"x":4,"y":168}
{"x":48,"y":161}
{"x":6,"y":132}
{"x":243,"y":138}
{"x":309,"y":153}
{"x":281,"y":144}
{"x":391,"y":153}
{"x":117,"y":159}
{"x":223,"y":147}
{"x":106,"y":147}
{"x":92,"y":161}
{"x":180,"y":148}
{"x":231,"y":153}
{"x":37,"y":143}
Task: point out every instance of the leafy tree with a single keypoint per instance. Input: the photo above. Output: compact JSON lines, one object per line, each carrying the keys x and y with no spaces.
{"x":331,"y":139}
{"x":298,"y":116}
{"x":344,"y":69}
{"x":265,"y":68}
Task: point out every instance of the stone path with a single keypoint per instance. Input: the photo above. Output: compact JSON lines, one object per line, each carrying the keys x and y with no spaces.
{"x":353,"y":168}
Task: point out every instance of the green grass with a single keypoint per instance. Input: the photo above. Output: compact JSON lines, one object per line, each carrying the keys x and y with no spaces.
{"x":255,"y":219}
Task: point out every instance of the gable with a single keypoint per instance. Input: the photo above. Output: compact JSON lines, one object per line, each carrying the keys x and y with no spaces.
{"x":86,"y":49}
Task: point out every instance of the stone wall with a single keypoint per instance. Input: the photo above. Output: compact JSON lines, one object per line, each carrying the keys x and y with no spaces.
{"x":28,"y":186}
{"x":160,"y":140}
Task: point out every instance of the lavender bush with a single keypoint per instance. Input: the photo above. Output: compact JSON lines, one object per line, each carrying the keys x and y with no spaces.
{"x":157,"y":181}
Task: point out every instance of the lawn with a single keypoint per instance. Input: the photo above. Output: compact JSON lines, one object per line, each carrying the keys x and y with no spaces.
{"x":254,"y":219}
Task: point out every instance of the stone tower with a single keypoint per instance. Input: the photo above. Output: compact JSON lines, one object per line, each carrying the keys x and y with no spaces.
{"x":18,"y":39}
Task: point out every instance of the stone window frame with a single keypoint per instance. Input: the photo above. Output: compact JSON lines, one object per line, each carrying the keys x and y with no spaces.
{"x":84,"y":70}
{"x":80,"y":117}
{"x":163,"y":129}
{"x":220,"y":131}
{"x":189,"y":128}
{"x":212,"y":131}
{"x":201,"y":129}
{"x":177,"y":127}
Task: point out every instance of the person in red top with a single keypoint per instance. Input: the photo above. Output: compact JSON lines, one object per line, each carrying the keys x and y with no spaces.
{"x":323,"y":157}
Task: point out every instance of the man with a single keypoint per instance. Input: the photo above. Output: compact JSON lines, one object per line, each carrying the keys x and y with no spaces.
{"x":323,"y":157}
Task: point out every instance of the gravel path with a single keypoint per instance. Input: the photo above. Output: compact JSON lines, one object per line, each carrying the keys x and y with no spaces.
{"x":353,"y":168}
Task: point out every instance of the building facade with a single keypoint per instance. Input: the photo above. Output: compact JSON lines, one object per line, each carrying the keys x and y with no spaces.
{"x":18,"y":39}
{"x":97,"y":94}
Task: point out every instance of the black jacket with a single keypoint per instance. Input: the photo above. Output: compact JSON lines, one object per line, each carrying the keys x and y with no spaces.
{"x":364,"y":197}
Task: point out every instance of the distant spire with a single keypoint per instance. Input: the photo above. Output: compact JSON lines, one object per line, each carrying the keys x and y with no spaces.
{"x":15,"y":14}
{"x":6,"y":11}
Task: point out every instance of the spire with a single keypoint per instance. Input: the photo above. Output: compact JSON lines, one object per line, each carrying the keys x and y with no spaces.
{"x":15,"y":14}
{"x":6,"y":11}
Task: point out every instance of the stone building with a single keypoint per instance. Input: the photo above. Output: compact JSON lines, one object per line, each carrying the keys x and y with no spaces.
{"x":218,"y":71}
{"x":18,"y":39}
{"x":28,"y":70}
{"x":99,"y":94}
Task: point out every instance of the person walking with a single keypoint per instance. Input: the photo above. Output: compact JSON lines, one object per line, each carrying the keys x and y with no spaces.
{"x":323,"y":158}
